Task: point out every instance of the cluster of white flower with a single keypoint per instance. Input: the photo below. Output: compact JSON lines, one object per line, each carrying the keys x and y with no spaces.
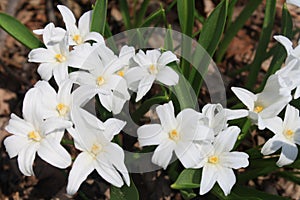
{"x":198,"y":139}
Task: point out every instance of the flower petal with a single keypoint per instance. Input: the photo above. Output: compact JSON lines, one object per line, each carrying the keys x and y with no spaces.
{"x":144,"y":86}
{"x":41,"y":55}
{"x":274,"y":124}
{"x":247,"y":97}
{"x":84,"y":23}
{"x":45,"y":70}
{"x":226,"y":179}
{"x":288,"y":155}
{"x":187,"y":153}
{"x":225,"y":141}
{"x":166,"y":58}
{"x":18,"y":126}
{"x":52,"y":124}
{"x":60,"y":73}
{"x":167,"y":76}
{"x":97,"y":37}
{"x":14,"y":144}
{"x":163,"y":153}
{"x":235,"y":114}
{"x":166,"y":116}
{"x":286,"y":42}
{"x":234,"y":159}
{"x":113,"y":127}
{"x":68,"y":18}
{"x":134,"y":75}
{"x":209,"y":178}
{"x":271,"y":146}
{"x":82,"y":167}
{"x":150,"y":134}
{"x":153,"y":55}
{"x":52,"y":152}
{"x":26,"y":158}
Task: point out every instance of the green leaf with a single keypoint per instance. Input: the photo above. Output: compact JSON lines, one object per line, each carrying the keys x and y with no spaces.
{"x":125,"y":192}
{"x":291,"y":176}
{"x":141,"y":13}
{"x":188,"y":194}
{"x":99,"y":16}
{"x":209,"y":39}
{"x":156,"y":16}
{"x":168,"y":43}
{"x":125,"y":13}
{"x":19,"y":31}
{"x":234,"y":27}
{"x":188,"y":179}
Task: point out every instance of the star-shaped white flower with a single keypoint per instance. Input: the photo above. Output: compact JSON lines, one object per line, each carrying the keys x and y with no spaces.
{"x":79,"y":35}
{"x":53,"y":58}
{"x":219,"y":162}
{"x":98,"y":152}
{"x":33,"y":135}
{"x":265,"y":106}
{"x":287,"y":135}
{"x":174,"y":135}
{"x":151,"y":66}
{"x":103,"y":66}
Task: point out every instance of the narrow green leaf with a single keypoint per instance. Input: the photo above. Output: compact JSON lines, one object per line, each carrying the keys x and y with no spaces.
{"x":125,"y":192}
{"x":141,"y":13}
{"x":19,"y":31}
{"x":156,"y":16}
{"x":168,"y":42}
{"x":234,"y":27}
{"x":264,"y":40}
{"x":125,"y":13}
{"x":209,"y":39}
{"x":291,"y":176}
{"x":188,"y":179}
{"x":188,"y":194}
{"x":99,"y":16}
{"x":110,"y":42}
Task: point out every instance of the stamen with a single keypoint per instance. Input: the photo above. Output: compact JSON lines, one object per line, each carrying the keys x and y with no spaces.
{"x":96,"y":148}
{"x":174,"y":135}
{"x":100,"y":81}
{"x":153,"y":69}
{"x":289,"y":134}
{"x":213,"y":159}
{"x":78,"y":39}
{"x":34,"y":135}
{"x":60,"y":58}
{"x":62,"y":109}
{"x":258,"y":109}
{"x":121,"y":73}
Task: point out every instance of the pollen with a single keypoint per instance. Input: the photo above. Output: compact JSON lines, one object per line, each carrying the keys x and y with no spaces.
{"x":34,"y":135}
{"x":100,"y":80}
{"x":258,"y":109}
{"x":213,"y":159}
{"x":96,"y":148}
{"x":121,"y":73}
{"x":77,"y":38}
{"x":60,"y":58}
{"x":289,"y":133}
{"x":62,"y":109}
{"x":153,"y":69}
{"x":174,"y":135}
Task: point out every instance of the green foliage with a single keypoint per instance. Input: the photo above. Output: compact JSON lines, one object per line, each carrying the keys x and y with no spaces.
{"x":124,"y":193}
{"x":99,"y":16}
{"x":20,"y":32}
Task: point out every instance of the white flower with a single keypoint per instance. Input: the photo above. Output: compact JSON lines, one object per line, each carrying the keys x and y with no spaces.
{"x":79,"y":35}
{"x":174,"y":134}
{"x":103,"y":65}
{"x":219,"y":162}
{"x":265,"y":106}
{"x":287,"y":135}
{"x":98,"y":152}
{"x":53,"y":58}
{"x":151,"y":67}
{"x":32,"y":135}
{"x":125,"y":55}
{"x":294,"y":2}
{"x":218,"y":116}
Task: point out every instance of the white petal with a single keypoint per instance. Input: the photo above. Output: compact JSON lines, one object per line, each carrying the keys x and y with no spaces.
{"x":297,"y":93}
{"x":106,"y":101}
{"x":64,"y":92}
{"x":41,"y":55}
{"x":142,"y":60}
{"x":90,"y":119}
{"x":53,"y":124}
{"x":85,"y":93}
{"x":97,"y":37}
{"x":52,"y":152}
{"x":113,"y":127}
{"x":84,"y":23}
{"x":166,"y":58}
{"x":209,"y":178}
{"x":225,"y":141}
{"x":26,"y":158}
{"x":14,"y":144}
{"x":166,"y":116}
{"x":83,"y":78}
{"x":288,"y":155}
{"x":163,"y":153}
{"x":235,"y":114}
{"x":167,"y":76}
{"x":226,"y":179}
{"x":274,"y":124}
{"x":45,"y":70}
{"x":247,"y":97}
{"x":107,"y":171}
{"x":150,"y":134}
{"x":153,"y":55}
{"x":234,"y":159}
{"x":80,"y":57}
{"x":30,"y":107}
{"x":271,"y":146}
{"x":291,"y":118}
{"x":144,"y":86}
{"x":126,"y":53}
{"x":134,"y":75}
{"x":187,"y":153}
{"x":82,"y":167}
{"x":286,"y":42}
{"x":60,"y":73}
{"x":68,"y":18}
{"x":18,"y":126}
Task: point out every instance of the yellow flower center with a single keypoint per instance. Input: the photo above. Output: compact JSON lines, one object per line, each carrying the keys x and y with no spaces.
{"x":62,"y":109}
{"x":96,"y":148}
{"x":174,"y":135}
{"x":289,"y":134}
{"x":213,"y":159}
{"x":60,"y":58}
{"x":100,"y":81}
{"x":121,"y":73}
{"x":153,"y":69}
{"x":34,"y":135}
{"x":258,"y":109}
{"x":78,"y":39}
